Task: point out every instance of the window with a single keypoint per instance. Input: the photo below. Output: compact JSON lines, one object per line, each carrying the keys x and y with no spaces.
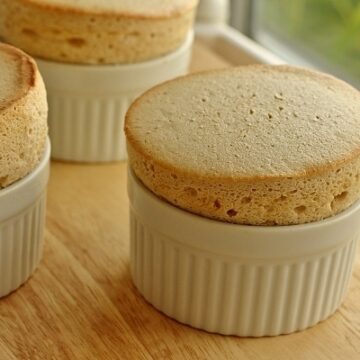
{"x":322,"y":33}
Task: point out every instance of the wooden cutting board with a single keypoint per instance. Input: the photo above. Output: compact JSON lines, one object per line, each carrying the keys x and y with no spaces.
{"x":81,"y":304}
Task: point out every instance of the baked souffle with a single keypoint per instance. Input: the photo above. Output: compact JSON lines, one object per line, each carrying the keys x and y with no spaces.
{"x":258,"y":145}
{"x":94,"y":31}
{"x":23,"y":115}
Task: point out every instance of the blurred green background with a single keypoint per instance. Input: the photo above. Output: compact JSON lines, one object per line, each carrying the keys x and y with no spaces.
{"x":327,"y":30}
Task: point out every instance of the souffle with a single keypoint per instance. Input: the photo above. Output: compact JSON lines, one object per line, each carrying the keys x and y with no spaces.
{"x":96,"y":32}
{"x":257,"y":145}
{"x":23,"y":115}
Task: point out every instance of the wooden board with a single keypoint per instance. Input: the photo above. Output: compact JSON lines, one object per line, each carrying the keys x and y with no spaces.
{"x":81,"y":304}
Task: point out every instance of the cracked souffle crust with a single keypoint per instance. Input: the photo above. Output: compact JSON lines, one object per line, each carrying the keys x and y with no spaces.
{"x":97,"y":32}
{"x":23,"y":115}
{"x":261,"y":145}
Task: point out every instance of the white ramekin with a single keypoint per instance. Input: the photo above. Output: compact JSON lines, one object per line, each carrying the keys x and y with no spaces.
{"x":235,"y":279}
{"x":87,"y":103}
{"x":22,"y":221}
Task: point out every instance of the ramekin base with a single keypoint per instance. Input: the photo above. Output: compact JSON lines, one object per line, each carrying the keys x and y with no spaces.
{"x":22,"y":223}
{"x":239,"y":291}
{"x":21,"y":246}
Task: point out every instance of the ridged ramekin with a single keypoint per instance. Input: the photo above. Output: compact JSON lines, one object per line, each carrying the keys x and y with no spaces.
{"x":87,"y":103}
{"x":22,"y":222}
{"x":235,"y":279}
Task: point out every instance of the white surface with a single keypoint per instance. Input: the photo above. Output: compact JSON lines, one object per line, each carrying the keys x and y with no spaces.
{"x":240,"y":280}
{"x":22,"y":218}
{"x":87,"y":103}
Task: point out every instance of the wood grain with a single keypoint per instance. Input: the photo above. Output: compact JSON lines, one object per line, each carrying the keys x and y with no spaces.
{"x":81,"y":304}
